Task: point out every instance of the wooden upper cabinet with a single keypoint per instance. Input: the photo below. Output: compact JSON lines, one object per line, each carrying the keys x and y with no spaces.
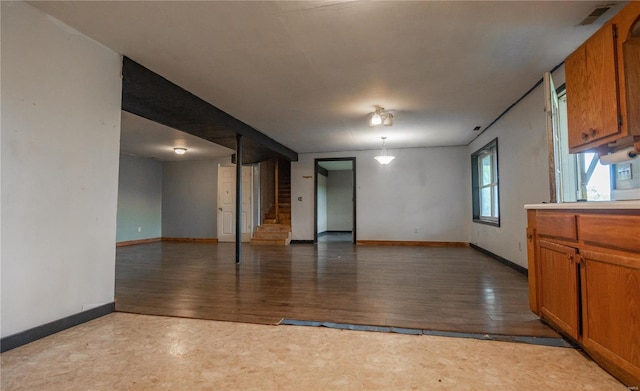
{"x":631,"y":55}
{"x":592,"y":91}
{"x":602,"y":87}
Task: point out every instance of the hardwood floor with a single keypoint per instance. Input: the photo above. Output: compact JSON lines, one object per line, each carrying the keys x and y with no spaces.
{"x":447,"y":289}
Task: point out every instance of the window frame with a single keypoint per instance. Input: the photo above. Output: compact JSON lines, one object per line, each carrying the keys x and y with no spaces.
{"x":490,"y":149}
{"x":571,"y":172}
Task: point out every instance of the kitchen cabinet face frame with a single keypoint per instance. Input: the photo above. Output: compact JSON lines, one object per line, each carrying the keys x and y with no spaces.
{"x":606,"y":253}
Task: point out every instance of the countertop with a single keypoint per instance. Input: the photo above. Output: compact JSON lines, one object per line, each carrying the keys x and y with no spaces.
{"x":591,"y":205}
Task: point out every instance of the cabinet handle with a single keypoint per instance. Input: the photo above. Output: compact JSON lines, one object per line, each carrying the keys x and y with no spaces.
{"x":593,"y":132}
{"x":584,"y":136}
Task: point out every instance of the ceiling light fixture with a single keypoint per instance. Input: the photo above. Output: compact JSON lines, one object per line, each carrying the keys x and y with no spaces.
{"x":180,"y":150}
{"x":381,"y":117}
{"x":384,"y":158}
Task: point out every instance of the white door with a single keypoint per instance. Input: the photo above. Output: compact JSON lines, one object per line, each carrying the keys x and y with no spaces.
{"x":227,"y":203}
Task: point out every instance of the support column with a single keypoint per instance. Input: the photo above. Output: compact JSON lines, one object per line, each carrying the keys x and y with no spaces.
{"x":238,"y":198}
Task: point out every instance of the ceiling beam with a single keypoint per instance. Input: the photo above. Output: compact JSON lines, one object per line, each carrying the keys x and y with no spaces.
{"x":149,"y":95}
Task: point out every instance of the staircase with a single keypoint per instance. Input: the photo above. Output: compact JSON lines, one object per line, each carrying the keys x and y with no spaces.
{"x":276,"y":227}
{"x":272,"y":234}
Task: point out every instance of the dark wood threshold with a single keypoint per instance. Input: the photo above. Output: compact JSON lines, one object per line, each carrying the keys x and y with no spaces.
{"x":324,"y":233}
{"x":301,"y":242}
{"x":411,"y":243}
{"x":25,"y":337}
{"x":498,"y":258}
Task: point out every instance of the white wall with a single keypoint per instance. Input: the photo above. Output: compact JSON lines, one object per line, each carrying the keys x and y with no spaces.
{"x":61,"y":95}
{"x":139,"y":199}
{"x":339,"y":201}
{"x":523,"y":166}
{"x":423,"y":188}
{"x":322,"y":203}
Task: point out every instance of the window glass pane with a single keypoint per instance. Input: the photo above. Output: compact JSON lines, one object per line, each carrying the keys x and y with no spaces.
{"x":484,"y":180}
{"x":581,"y":178}
{"x":485,"y":166}
{"x":599,"y":182}
{"x":485,"y":201}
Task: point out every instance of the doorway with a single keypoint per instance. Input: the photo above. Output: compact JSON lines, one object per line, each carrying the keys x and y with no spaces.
{"x":227,"y":203}
{"x":335,"y":200}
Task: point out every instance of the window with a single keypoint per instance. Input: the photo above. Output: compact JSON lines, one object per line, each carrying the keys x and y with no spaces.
{"x":578,"y":177}
{"x":484,"y":176}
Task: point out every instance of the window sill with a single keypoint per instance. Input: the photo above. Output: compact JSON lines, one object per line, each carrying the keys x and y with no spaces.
{"x":487,"y":222}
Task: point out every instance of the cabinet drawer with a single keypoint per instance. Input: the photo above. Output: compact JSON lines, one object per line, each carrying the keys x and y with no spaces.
{"x":557,"y":225}
{"x":621,"y":232}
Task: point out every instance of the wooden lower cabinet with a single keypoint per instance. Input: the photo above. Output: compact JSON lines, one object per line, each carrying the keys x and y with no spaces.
{"x":559,"y":298}
{"x":611,"y":310}
{"x":587,"y":285}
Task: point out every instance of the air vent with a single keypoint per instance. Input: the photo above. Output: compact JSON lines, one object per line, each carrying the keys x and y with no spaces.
{"x":596,"y":13}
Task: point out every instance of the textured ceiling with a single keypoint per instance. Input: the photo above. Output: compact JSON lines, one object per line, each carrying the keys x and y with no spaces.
{"x":307,"y":74}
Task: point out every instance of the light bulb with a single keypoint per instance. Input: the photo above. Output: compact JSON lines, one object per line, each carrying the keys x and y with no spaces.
{"x":376,"y":119}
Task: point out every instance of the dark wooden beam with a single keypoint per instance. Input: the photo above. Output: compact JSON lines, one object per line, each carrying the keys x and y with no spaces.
{"x":151,"y":96}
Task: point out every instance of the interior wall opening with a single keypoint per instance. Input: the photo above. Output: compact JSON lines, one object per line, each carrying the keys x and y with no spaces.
{"x":335,"y":200}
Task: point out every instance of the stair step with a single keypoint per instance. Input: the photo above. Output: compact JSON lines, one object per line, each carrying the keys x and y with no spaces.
{"x":272,"y":235}
{"x":271,"y":242}
{"x":273,"y":227}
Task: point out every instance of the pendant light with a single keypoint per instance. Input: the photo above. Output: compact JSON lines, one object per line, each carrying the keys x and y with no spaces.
{"x":384,"y":158}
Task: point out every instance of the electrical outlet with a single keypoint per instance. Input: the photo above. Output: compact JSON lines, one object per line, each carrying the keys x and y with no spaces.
{"x":624,"y":172}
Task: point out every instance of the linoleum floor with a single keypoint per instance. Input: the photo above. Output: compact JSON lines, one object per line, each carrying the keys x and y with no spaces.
{"x":123,"y":351}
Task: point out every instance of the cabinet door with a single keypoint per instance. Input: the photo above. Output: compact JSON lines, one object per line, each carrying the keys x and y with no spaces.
{"x":558,"y":286}
{"x":577,"y":96}
{"x":611,"y":309}
{"x":593,"y":107}
{"x":631,"y":54}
